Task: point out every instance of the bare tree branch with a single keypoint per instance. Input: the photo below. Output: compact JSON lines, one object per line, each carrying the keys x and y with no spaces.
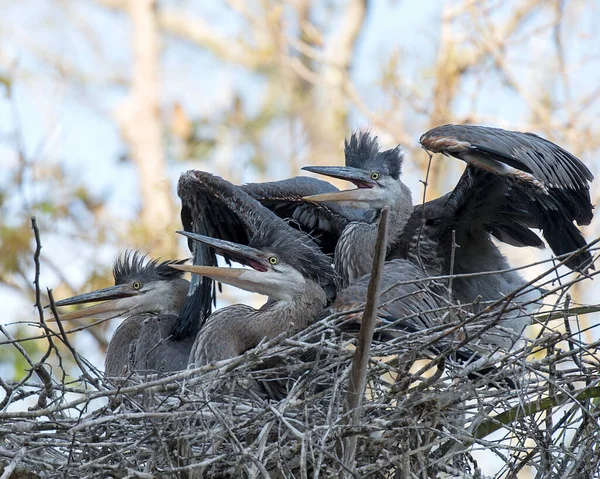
{"x":360,"y":362}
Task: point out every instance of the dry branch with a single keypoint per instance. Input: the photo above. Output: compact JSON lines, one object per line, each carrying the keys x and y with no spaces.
{"x":360,"y":362}
{"x":425,"y":421}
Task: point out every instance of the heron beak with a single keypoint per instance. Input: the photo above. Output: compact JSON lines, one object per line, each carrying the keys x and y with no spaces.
{"x":109,"y":308}
{"x":252,"y":280}
{"x":361,"y":194}
{"x":360,"y":178}
{"x":215,"y":272}
{"x":240,"y":253}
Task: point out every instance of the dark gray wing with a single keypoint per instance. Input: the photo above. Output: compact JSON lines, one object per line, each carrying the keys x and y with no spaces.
{"x":546,"y":187}
{"x":156,"y":351}
{"x":324,"y":222}
{"x":479,"y":205}
{"x":403,"y":297}
{"x":483,"y":146}
{"x":214,"y":207}
{"x":120,"y":353}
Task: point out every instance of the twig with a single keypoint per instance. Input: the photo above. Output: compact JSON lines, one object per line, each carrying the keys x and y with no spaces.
{"x":8,"y":470}
{"x":524,"y":410}
{"x":36,"y":260}
{"x":419,"y":430}
{"x":452,"y":259}
{"x":422,"y":225}
{"x":65,"y":339}
{"x":360,"y":362}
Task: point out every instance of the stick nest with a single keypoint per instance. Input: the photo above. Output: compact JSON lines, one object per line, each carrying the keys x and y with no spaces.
{"x":424,"y":414}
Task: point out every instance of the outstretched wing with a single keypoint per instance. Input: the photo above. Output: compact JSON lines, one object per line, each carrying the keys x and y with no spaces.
{"x":214,"y":207}
{"x":546,"y":186}
{"x":324,"y":222}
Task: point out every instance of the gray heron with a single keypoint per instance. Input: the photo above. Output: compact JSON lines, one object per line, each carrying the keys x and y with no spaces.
{"x":513,"y":182}
{"x":285,"y":265}
{"x":148,"y":295}
{"x":289,"y":274}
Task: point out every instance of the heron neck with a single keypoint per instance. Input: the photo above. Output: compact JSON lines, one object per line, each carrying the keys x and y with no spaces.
{"x":296,"y":314}
{"x":232,"y":331}
{"x":356,"y":247}
{"x":177,"y":299}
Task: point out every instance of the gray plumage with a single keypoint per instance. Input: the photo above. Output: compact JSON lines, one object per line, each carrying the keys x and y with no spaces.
{"x":413,"y":304}
{"x":297,"y":285}
{"x":143,"y":344}
{"x":514,"y":182}
{"x":324,"y":222}
{"x":233,"y":330}
{"x":362,"y":151}
{"x":148,"y":294}
{"x":297,"y":296}
{"x":545,"y":185}
{"x":287,"y":267}
{"x":377,"y":175}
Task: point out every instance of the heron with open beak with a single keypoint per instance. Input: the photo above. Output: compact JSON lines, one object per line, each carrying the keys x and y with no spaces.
{"x":290,"y":277}
{"x":513,"y":182}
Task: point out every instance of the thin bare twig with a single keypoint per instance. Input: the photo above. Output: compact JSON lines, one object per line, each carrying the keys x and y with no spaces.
{"x":360,"y":363}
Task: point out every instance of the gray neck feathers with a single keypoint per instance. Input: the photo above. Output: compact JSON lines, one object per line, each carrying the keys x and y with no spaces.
{"x":175,"y":302}
{"x":281,"y":317}
{"x":231,"y":331}
{"x":356,"y":247}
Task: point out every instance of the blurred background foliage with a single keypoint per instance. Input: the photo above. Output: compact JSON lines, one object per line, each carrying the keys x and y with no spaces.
{"x":103,"y":103}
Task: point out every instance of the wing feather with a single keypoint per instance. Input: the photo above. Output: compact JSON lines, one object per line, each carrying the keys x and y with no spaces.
{"x":214,"y":207}
{"x":544,"y":180}
{"x":323,"y":221}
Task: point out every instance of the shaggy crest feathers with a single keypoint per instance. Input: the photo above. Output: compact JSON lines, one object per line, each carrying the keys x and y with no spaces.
{"x":362,"y":151}
{"x":133,"y":265}
{"x":295,"y":249}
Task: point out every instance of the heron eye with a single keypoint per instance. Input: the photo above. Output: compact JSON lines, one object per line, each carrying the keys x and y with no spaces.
{"x":375,"y":175}
{"x":136,"y":285}
{"x":273,"y":260}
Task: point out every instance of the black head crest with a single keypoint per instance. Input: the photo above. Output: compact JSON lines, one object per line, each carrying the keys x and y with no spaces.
{"x":133,"y":265}
{"x":362,"y":151}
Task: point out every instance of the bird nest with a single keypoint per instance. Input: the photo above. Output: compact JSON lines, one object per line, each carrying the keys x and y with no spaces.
{"x":423,"y":414}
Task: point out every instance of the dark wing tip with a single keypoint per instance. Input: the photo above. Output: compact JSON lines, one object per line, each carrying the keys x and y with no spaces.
{"x":547,"y":161}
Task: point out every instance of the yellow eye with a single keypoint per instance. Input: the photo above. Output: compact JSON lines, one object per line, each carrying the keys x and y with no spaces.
{"x":375,"y":176}
{"x":136,"y":285}
{"x":273,"y":260}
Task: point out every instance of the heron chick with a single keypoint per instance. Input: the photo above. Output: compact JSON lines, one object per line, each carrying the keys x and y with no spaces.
{"x":513,"y":182}
{"x":288,"y":277}
{"x":148,"y":295}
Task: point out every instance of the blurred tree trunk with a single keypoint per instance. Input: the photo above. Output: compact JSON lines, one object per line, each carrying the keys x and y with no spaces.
{"x":140,"y":122}
{"x":449,"y":69}
{"x":332,"y":100}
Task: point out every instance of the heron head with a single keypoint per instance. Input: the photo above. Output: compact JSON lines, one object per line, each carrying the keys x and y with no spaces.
{"x":141,"y":286}
{"x":270,"y":271}
{"x":375,"y":173}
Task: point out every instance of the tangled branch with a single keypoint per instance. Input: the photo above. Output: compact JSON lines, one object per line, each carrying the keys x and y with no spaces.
{"x":423,"y":414}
